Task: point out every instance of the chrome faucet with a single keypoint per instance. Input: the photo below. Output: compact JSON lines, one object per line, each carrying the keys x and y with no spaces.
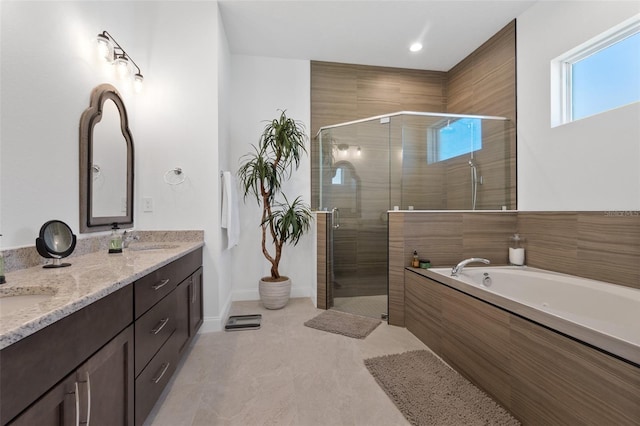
{"x":127,"y":237}
{"x":458,"y":268}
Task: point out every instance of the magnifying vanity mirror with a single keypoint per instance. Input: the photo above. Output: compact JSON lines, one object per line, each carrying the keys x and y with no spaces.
{"x":56,"y":241}
{"x":106,"y":163}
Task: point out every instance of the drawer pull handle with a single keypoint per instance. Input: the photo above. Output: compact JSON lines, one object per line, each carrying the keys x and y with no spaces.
{"x":88,"y":399}
{"x":160,"y":284}
{"x":160,"y":325}
{"x":164,"y":367}
{"x":77,"y":393}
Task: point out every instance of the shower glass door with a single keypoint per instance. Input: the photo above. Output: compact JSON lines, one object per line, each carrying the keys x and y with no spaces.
{"x":416,"y":161}
{"x":355,"y":188}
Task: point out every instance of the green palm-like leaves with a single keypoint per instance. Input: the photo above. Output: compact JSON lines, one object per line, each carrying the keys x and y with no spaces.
{"x":290,"y":221}
{"x":262,"y":173}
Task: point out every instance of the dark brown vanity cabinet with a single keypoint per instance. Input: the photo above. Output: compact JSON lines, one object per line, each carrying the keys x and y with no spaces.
{"x":162,"y":326}
{"x":111,"y":359}
{"x":84,"y":360}
{"x":99,"y":392}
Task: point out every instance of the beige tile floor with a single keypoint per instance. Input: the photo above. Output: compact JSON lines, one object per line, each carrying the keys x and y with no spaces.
{"x":283,"y":374}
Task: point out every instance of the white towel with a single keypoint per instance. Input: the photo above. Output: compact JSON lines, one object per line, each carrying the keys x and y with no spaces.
{"x":230,"y":219}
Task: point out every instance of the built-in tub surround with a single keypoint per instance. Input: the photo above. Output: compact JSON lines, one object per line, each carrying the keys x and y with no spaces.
{"x":515,"y":354}
{"x":601,"y":314}
{"x":92,"y":276}
{"x":603,"y":246}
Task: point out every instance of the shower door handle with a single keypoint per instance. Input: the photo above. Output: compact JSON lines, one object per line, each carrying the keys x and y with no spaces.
{"x":335,"y":218}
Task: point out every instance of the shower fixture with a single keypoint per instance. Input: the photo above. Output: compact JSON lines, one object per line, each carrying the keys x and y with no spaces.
{"x":474,"y":183}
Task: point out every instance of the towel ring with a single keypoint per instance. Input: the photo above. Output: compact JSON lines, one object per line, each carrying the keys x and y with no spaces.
{"x":174,"y":176}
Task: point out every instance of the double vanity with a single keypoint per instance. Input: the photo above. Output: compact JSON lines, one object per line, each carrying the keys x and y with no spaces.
{"x":96,"y":338}
{"x":98,"y":341}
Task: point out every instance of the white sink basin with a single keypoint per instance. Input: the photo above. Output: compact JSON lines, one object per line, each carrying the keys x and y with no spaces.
{"x":12,"y":303}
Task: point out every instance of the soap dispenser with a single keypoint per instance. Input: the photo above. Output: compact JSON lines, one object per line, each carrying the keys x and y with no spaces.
{"x":115,"y":243}
{"x":516,"y":250}
{"x":415,"y":262}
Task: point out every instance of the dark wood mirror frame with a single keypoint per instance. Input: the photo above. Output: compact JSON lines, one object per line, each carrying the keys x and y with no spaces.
{"x":90,"y":117}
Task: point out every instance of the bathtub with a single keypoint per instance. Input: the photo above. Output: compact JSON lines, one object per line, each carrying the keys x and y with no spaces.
{"x":604,"y":315}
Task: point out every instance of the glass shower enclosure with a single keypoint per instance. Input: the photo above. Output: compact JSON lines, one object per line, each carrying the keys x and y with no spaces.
{"x":404,"y":161}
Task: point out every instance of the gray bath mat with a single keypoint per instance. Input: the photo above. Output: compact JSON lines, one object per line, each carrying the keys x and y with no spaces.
{"x":428,"y":392}
{"x":343,"y":323}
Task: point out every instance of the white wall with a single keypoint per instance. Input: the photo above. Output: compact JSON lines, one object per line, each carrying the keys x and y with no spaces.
{"x":48,"y":69}
{"x":224,"y":276}
{"x":260,"y":87}
{"x":590,"y":164}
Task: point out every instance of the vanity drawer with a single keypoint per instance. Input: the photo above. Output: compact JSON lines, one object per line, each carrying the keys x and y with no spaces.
{"x":153,"y":329}
{"x":149,"y":289}
{"x":153,"y":379}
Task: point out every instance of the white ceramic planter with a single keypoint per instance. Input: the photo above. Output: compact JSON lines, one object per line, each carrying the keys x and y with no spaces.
{"x":275,"y":295}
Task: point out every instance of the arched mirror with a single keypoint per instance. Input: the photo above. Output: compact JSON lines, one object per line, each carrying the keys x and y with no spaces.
{"x":106,"y":163}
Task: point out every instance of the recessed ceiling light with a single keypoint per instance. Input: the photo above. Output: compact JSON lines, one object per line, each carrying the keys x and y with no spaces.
{"x":416,"y":47}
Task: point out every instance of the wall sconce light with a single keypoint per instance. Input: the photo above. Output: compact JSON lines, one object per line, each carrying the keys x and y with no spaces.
{"x":111,"y":51}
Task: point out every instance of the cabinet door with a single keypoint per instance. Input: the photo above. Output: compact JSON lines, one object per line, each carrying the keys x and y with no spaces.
{"x":189,"y":316}
{"x":106,"y":383}
{"x":100,"y":392}
{"x":56,"y":407}
{"x":195,"y":303}
{"x":183,"y":296}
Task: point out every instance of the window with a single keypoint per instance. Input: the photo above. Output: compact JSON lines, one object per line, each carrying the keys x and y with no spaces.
{"x":606,"y":79}
{"x":455,"y":138}
{"x":600,"y":75}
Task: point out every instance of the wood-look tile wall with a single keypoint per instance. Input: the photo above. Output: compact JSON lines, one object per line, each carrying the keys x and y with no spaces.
{"x":444,"y":238}
{"x":484,"y":83}
{"x":345,"y":92}
{"x":603,"y":246}
{"x":322,"y":260}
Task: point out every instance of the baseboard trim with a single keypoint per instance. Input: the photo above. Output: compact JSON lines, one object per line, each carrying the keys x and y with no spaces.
{"x":211,"y":324}
{"x":243,"y":295}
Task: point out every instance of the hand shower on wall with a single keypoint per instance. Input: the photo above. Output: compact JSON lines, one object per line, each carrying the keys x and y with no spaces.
{"x":474,"y":183}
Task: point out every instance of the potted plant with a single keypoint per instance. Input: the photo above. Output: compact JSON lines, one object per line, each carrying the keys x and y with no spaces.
{"x":262,"y":174}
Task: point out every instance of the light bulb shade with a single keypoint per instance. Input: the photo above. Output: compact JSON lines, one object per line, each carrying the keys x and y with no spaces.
{"x":105,"y":47}
{"x":137,"y":82}
{"x":122,"y":65}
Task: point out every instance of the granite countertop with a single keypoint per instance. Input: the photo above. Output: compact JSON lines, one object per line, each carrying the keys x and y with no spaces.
{"x":89,"y":278}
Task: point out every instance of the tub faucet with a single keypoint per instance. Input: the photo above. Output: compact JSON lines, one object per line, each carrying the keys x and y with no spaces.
{"x":458,"y":268}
